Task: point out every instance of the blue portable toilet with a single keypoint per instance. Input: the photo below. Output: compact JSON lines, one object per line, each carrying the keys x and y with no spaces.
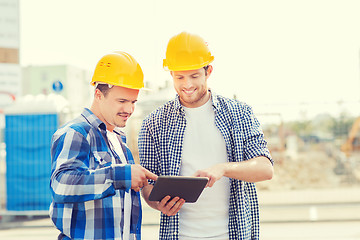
{"x":29,"y":126}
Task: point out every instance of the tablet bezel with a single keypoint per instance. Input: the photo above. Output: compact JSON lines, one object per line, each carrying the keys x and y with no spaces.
{"x":188,"y":188}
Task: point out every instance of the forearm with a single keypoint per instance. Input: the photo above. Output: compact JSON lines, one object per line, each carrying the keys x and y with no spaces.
{"x":253,"y":170}
{"x":145,"y":192}
{"x":80,"y":186}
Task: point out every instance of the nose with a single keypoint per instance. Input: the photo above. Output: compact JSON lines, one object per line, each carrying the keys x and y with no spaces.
{"x":129,"y":107}
{"x":187,"y":83}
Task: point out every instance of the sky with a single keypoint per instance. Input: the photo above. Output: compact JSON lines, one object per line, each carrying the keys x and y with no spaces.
{"x":287,"y":57}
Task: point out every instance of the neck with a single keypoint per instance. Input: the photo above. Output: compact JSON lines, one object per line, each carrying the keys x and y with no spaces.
{"x":204,"y":99}
{"x":95,"y":110}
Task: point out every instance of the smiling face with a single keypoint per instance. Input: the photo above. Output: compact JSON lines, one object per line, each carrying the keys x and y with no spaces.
{"x":191,"y":86}
{"x":115,"y":107}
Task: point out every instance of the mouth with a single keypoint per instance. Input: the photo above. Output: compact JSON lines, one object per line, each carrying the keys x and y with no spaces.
{"x":189,"y":92}
{"x":124,"y":116}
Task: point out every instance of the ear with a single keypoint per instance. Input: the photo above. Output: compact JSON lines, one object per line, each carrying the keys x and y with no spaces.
{"x":98,"y":94}
{"x":209,"y":71}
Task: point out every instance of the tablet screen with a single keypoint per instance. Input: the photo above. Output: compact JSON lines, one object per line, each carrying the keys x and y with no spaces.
{"x":188,"y":188}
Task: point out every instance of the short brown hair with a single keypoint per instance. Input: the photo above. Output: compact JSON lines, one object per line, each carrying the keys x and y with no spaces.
{"x":104,"y":88}
{"x":206,"y":68}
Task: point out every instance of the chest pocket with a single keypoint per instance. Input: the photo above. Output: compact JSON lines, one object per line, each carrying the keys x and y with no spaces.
{"x":102,"y":159}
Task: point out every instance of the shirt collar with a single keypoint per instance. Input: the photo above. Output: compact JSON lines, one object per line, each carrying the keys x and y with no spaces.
{"x":177,"y":104}
{"x":215,"y":100}
{"x":93,"y":119}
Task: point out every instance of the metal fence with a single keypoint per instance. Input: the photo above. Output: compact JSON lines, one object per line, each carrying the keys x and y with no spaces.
{"x":25,"y":163}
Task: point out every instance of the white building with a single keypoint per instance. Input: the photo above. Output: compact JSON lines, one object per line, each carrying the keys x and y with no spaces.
{"x":68,"y":81}
{"x":10,"y":71}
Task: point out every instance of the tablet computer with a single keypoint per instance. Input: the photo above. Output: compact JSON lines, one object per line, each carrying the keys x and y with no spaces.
{"x":188,"y":188}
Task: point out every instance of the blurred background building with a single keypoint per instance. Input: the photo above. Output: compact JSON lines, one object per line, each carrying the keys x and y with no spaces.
{"x":68,"y":81}
{"x":10,"y":70}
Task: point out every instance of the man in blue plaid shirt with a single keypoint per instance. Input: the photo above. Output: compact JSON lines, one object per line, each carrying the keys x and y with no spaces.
{"x":200,"y":133}
{"x":94,"y":182}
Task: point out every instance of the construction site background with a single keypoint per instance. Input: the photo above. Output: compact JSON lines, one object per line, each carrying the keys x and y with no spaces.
{"x":317,"y":175}
{"x":311,"y":157}
{"x":309,"y":153}
{"x":322,"y":152}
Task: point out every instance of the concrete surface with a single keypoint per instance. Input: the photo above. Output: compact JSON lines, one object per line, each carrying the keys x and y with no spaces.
{"x":344,"y":230}
{"x":332,"y":214}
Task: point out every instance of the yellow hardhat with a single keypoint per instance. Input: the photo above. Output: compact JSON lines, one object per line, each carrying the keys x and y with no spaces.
{"x":187,"y":51}
{"x":119,"y":69}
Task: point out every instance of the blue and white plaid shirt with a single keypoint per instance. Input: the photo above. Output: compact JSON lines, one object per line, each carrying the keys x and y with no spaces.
{"x":160,"y":148}
{"x":88,"y":182}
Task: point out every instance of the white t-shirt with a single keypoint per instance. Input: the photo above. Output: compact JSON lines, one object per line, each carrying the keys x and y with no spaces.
{"x":127,"y":201}
{"x":203,"y":147}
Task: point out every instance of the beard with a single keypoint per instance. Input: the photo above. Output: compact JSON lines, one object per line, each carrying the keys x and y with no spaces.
{"x":123,"y":117}
{"x":194,"y":99}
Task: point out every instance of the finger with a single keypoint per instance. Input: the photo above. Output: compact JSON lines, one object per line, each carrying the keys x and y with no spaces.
{"x":176,"y":208}
{"x":162,"y":205}
{"x":207,"y":183}
{"x":150,"y":175}
{"x":145,"y":183}
{"x":196,"y":174}
{"x":172,"y":203}
{"x":166,"y":205}
{"x":200,"y":173}
{"x":164,"y":201}
{"x":211,"y":182}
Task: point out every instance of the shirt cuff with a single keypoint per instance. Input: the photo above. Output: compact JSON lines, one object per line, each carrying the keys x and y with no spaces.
{"x":121,"y":175}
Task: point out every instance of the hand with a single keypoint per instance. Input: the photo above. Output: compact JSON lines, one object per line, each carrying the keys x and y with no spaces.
{"x":214,"y":173}
{"x":170,"y":208}
{"x":139,"y":177}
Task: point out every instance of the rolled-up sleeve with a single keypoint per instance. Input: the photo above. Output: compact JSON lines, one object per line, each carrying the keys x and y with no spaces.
{"x":254,"y":144}
{"x":72,"y":177}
